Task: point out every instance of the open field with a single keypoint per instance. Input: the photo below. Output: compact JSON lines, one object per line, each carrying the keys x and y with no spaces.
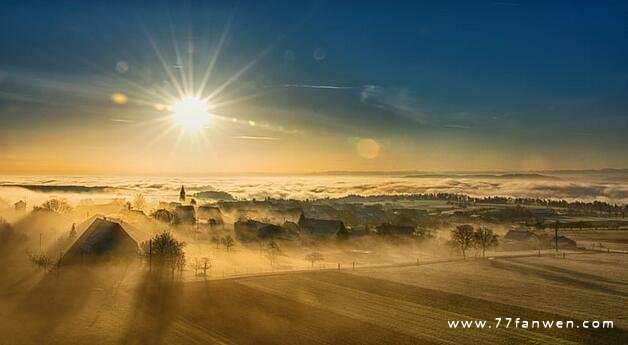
{"x":393,"y":305}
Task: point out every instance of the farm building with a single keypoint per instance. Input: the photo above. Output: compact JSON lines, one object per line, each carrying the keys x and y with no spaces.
{"x":20,"y":206}
{"x":185,"y":214}
{"x":252,"y":230}
{"x":103,"y":238}
{"x":520,"y":235}
{"x":387,"y":229}
{"x":291,"y":227}
{"x":522,"y":238}
{"x":321,"y":227}
{"x":209,"y":214}
{"x":563,"y":242}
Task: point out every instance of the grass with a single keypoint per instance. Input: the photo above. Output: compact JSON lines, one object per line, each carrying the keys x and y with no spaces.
{"x":392,"y":305}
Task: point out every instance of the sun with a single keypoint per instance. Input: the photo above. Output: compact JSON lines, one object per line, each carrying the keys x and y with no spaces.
{"x":190,"y":113}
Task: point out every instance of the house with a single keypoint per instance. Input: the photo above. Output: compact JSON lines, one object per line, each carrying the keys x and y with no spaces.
{"x":251,"y":230}
{"x":247,"y":230}
{"x":185,"y":214}
{"x":519,"y":235}
{"x":321,"y":227}
{"x":271,"y":232}
{"x":209,"y":214}
{"x":291,"y":227}
{"x":20,"y":206}
{"x":359,"y":230}
{"x":522,"y":238}
{"x":563,"y":242}
{"x":387,"y":229}
{"x":104,"y":238}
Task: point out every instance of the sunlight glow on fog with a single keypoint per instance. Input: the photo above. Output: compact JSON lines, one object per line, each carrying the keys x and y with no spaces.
{"x":588,"y":188}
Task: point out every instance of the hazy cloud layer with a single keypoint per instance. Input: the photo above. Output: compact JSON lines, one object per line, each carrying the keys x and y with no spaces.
{"x":304,"y":187}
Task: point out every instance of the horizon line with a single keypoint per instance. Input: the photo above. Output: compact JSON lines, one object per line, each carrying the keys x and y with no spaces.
{"x":330,"y":172}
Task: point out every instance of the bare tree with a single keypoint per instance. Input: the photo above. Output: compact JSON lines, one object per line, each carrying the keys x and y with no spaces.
{"x":165,"y":251}
{"x":202,"y":264}
{"x":56,"y":205}
{"x":139,"y":202}
{"x":164,"y":215}
{"x":314,"y":257}
{"x":271,"y":251}
{"x":228,"y":242}
{"x":484,"y":238}
{"x":216,"y":240}
{"x":40,"y":260}
{"x":462,"y":237}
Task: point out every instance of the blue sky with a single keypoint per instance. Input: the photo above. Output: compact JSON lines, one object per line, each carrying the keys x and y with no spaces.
{"x":487,"y":80}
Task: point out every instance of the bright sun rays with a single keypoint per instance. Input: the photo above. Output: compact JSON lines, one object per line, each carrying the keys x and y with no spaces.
{"x":190,"y":114}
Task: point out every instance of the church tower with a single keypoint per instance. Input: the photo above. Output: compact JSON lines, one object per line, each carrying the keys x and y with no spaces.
{"x":182,"y":194}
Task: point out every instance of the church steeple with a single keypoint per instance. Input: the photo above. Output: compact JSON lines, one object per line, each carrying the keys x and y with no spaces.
{"x":182,"y":194}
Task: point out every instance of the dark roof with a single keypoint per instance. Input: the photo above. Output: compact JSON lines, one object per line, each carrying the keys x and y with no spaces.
{"x":520,"y":235}
{"x":563,"y":239}
{"x":320,"y":226}
{"x":390,"y":229}
{"x":250,"y":230}
{"x":185,"y":212}
{"x":100,"y":238}
{"x":207,"y":212}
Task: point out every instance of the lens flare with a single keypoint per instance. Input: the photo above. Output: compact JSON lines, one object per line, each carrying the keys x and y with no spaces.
{"x":368,"y":148}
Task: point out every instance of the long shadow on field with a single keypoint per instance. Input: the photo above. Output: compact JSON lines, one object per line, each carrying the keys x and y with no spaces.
{"x":569,"y":272}
{"x":562,"y":279}
{"x":227,"y":311}
{"x":470,"y":306}
{"x":54,"y":300}
{"x":155,"y":305}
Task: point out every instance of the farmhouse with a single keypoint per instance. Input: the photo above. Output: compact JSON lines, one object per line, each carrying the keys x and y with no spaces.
{"x":252,"y":230}
{"x":185,"y":214}
{"x":247,"y":230}
{"x":563,"y":242}
{"x":209,"y":214}
{"x":387,"y":229}
{"x":321,"y":227}
{"x":522,"y":238}
{"x":103,"y":238}
{"x":520,"y":235}
{"x":20,"y":206}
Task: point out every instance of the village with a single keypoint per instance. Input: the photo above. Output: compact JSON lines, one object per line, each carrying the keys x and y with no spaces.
{"x":137,"y":269}
{"x":295,"y":232}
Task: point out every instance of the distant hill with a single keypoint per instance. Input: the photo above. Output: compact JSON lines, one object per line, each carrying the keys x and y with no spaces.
{"x":215,"y":195}
{"x":45,"y":188}
{"x":529,"y":176}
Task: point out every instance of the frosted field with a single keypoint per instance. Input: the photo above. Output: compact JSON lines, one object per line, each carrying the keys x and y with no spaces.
{"x":393,"y":305}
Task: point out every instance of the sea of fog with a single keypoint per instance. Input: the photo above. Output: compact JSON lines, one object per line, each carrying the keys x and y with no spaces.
{"x":610,"y":186}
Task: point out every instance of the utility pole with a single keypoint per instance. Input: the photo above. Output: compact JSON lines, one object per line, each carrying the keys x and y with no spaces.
{"x":556,"y":235}
{"x":150,"y":255}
